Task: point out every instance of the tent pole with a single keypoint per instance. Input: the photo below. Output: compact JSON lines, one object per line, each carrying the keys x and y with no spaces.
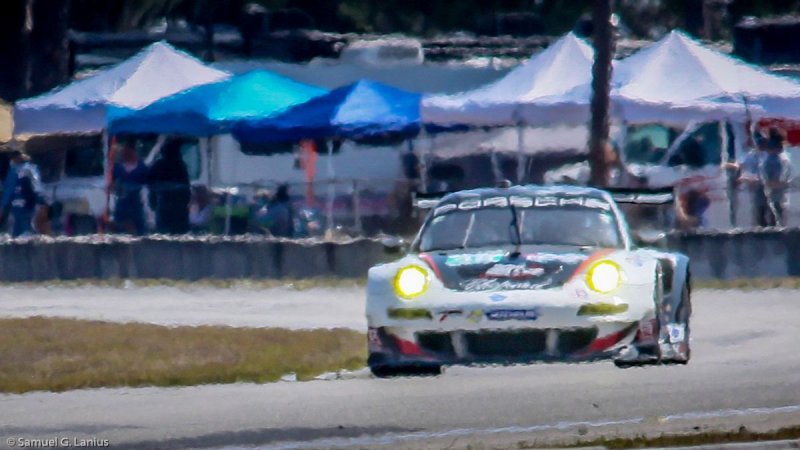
{"x":108,"y":166}
{"x":429,"y":158}
{"x":423,"y":160}
{"x":520,"y":152}
{"x":331,"y":192}
{"x":496,"y":174}
{"x":228,"y":210}
{"x":209,"y":162}
{"x":357,"y":207}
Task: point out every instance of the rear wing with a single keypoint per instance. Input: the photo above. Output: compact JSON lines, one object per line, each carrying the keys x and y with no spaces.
{"x":644,"y":196}
{"x":635,"y":196}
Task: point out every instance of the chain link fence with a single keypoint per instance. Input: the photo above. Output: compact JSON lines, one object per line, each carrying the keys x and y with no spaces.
{"x":369,"y":207}
{"x":343,"y":207}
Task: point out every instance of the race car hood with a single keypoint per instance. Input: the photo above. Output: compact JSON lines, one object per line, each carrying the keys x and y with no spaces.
{"x":535,"y":267}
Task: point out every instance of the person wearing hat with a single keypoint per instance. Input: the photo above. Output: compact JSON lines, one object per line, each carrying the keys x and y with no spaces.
{"x":21,"y":193}
{"x":775,"y":170}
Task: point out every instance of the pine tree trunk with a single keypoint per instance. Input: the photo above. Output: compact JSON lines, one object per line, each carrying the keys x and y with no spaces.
{"x":34,"y":46}
{"x":49,"y":53}
{"x":12,"y":51}
{"x":601,"y":86}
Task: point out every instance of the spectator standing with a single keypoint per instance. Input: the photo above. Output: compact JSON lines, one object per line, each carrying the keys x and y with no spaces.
{"x":200,"y":209}
{"x":775,"y":174}
{"x":22,"y":193}
{"x":691,"y":208}
{"x":749,"y":176}
{"x":170,"y":190}
{"x":130,"y":176}
{"x":280,"y":214}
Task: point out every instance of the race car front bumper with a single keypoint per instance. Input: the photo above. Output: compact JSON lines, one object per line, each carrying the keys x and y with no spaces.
{"x":505,"y":327}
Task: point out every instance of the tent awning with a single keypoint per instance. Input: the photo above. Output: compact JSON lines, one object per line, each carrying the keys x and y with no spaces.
{"x":212,"y":108}
{"x":361,"y":109}
{"x":680,"y":79}
{"x":157,"y":71}
{"x":527,"y":94}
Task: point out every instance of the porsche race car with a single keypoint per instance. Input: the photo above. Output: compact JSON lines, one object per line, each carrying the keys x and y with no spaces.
{"x":523,"y":274}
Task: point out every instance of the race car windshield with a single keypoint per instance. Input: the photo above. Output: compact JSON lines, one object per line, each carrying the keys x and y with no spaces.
{"x":494,"y":227}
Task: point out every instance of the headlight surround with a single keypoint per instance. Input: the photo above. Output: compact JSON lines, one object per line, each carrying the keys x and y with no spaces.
{"x":604,"y":276}
{"x":410,"y":282}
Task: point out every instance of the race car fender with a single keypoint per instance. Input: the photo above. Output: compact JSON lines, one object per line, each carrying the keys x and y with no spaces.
{"x":675,"y":275}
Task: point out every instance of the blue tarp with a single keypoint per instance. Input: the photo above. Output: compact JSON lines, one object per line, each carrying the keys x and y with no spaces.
{"x":359,"y":110}
{"x":213,"y":108}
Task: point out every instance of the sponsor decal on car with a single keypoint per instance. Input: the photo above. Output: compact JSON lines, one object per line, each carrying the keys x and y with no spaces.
{"x":494,"y":284}
{"x":512,"y":314}
{"x":496,"y":201}
{"x":647,"y":330}
{"x":513,"y":271}
{"x":676,"y":332}
{"x":564,"y":258}
{"x":472,"y":259}
{"x":475,"y":316}
{"x":444,"y":209}
{"x":445,"y":313}
{"x":524,"y":202}
{"x":497,"y":297}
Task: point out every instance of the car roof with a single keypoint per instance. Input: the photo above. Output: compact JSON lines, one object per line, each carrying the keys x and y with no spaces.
{"x":527,"y":190}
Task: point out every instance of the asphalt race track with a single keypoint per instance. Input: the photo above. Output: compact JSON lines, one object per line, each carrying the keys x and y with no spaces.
{"x":745,"y":371}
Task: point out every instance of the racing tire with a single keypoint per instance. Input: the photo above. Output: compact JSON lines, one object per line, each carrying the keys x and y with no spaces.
{"x":410,"y":370}
{"x":629,"y":364}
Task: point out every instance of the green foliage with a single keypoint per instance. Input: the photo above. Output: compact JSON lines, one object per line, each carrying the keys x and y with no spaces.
{"x":422,"y":17}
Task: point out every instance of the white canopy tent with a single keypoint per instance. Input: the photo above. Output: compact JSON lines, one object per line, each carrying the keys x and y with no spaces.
{"x":519,"y":97}
{"x":678,"y":79}
{"x":155,"y":72}
{"x":515,"y":98}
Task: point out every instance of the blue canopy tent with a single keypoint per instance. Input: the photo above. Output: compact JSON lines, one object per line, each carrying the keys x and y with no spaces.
{"x":360,"y":110}
{"x":213,"y":108}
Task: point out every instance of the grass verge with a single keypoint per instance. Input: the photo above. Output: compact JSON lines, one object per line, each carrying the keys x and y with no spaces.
{"x":686,"y":440}
{"x":62,"y":354}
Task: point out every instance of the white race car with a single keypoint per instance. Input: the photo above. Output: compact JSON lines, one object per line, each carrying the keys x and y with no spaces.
{"x":522,"y":274}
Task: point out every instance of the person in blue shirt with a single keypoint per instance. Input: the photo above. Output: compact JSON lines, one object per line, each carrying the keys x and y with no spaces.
{"x":129,"y":177}
{"x":21,"y":193}
{"x":280,"y":214}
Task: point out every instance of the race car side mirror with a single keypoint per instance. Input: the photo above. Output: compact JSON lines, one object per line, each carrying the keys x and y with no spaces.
{"x":393,"y":244}
{"x":649,"y":238}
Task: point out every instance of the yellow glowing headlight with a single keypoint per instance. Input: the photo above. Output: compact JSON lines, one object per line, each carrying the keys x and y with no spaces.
{"x":410,"y":281}
{"x":604,"y":277}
